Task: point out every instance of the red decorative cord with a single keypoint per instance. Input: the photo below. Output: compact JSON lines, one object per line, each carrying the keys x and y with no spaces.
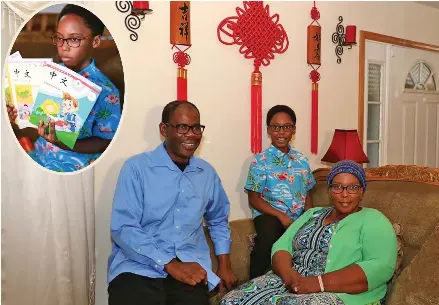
{"x":260,"y":36}
{"x":315,"y":77}
{"x":182,"y":59}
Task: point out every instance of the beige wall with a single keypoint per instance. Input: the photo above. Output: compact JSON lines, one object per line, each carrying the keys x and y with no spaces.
{"x":219,"y":80}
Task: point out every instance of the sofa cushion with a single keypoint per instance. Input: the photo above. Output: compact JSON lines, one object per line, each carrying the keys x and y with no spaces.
{"x":418,"y":283}
{"x":240,"y":249}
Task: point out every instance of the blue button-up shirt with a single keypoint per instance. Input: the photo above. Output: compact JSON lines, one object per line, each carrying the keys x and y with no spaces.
{"x":158,"y":213}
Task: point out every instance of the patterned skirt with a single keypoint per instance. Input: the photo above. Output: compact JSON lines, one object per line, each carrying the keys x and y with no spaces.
{"x":269,"y":289}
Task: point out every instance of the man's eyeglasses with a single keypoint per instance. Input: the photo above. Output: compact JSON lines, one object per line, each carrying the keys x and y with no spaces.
{"x":286,"y":128}
{"x":338,"y":189}
{"x":184,"y":129}
{"x":73,"y":42}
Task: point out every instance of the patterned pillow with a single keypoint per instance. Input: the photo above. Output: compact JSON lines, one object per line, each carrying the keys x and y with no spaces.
{"x":399,"y":231}
{"x":251,"y":241}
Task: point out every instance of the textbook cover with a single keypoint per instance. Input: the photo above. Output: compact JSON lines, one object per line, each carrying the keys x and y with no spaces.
{"x":66,"y":98}
{"x":24,"y":75}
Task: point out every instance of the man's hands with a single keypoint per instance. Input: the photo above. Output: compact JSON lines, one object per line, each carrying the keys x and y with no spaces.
{"x":225,"y":273}
{"x":228,"y":279}
{"x":189,"y":273}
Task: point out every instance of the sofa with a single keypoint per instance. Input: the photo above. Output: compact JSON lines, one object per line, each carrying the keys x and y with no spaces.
{"x":409,"y":197}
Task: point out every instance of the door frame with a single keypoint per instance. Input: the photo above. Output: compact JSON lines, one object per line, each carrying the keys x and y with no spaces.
{"x":365,"y":35}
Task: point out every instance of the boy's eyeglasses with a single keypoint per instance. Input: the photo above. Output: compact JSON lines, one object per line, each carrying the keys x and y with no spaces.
{"x":286,"y":128}
{"x":73,"y":42}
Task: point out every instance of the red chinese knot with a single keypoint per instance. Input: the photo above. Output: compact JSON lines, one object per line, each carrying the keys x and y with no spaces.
{"x":260,"y":36}
{"x":181,"y":58}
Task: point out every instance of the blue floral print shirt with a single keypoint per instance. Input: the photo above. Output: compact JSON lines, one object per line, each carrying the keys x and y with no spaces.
{"x":283,"y":180}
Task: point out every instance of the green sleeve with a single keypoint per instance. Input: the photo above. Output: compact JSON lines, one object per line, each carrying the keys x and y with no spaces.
{"x":285,"y":241}
{"x":379,"y":250}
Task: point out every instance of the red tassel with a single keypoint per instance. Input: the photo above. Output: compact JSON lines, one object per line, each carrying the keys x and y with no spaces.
{"x":256,"y":112}
{"x":314,"y":118}
{"x":182,"y":84}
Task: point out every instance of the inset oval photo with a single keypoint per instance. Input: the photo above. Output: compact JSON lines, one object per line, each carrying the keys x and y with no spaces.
{"x":64,"y":88}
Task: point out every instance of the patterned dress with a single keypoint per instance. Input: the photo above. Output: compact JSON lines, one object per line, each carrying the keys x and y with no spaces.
{"x":102,"y":122}
{"x":309,"y":258}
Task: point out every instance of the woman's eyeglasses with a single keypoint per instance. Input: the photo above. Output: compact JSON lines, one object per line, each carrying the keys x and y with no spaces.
{"x":338,"y":189}
{"x":73,"y":42}
{"x":184,"y":129}
{"x":286,"y":128}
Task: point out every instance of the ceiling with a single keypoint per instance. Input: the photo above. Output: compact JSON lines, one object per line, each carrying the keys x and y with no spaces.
{"x":434,"y":4}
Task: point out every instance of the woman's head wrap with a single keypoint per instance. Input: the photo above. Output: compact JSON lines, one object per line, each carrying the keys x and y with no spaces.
{"x":349,"y":167}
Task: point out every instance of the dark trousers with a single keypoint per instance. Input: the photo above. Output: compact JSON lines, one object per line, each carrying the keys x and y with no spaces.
{"x":268,"y":229}
{"x":133,"y":289}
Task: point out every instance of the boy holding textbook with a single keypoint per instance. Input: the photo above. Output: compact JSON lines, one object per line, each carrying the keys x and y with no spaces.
{"x":78,"y":34}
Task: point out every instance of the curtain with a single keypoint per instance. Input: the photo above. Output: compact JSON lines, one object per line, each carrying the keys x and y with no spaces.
{"x":47,"y":219}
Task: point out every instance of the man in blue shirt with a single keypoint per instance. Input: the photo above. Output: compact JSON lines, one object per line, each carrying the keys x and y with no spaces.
{"x":159,"y":254}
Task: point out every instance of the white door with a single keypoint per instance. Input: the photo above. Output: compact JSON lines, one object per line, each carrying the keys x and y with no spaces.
{"x":375,"y":98}
{"x":413,"y":108}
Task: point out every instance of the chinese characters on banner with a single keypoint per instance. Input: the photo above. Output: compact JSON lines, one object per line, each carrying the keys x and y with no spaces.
{"x":180,"y":23}
{"x":184,"y":25}
{"x":314,"y":44}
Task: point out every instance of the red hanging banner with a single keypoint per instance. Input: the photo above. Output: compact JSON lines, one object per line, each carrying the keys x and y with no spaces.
{"x":314,"y":39}
{"x":180,"y":35}
{"x":259,"y":43}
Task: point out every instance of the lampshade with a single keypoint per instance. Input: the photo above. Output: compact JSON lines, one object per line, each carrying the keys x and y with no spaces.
{"x":345,"y":145}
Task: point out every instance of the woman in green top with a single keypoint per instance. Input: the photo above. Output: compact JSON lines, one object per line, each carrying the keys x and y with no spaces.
{"x":341,"y":255}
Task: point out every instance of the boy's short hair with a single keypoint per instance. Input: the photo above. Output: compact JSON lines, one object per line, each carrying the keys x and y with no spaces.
{"x":281,"y":109}
{"x":91,"y":20}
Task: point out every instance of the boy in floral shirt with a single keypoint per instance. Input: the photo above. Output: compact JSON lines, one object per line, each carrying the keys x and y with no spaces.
{"x":278,"y":183}
{"x":78,"y":34}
